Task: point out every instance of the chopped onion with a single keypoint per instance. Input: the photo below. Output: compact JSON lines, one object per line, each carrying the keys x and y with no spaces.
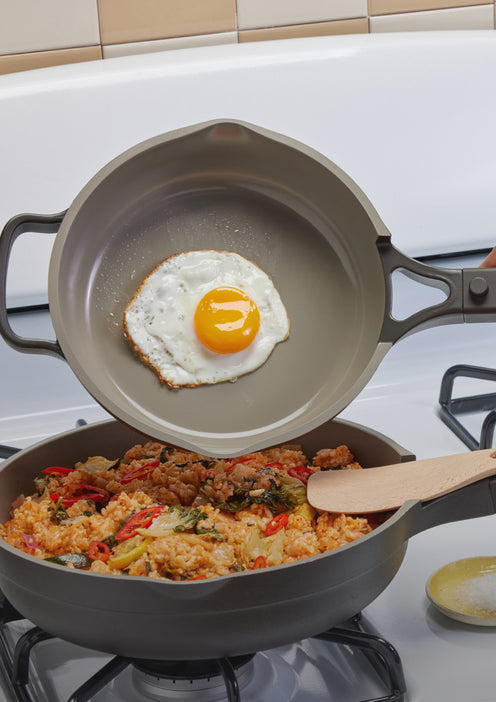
{"x":30,"y":541}
{"x":271,"y":547}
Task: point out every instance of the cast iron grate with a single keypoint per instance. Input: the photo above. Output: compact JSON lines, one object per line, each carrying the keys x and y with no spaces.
{"x":14,"y":665}
{"x":450,"y":407}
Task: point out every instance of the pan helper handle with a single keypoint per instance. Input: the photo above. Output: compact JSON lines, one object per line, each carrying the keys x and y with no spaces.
{"x":44,"y":224}
{"x":470,"y":293}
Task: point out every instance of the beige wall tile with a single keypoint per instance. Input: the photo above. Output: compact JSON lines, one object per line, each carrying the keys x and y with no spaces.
{"x":44,"y":59}
{"x":253,"y":14}
{"x":144,"y":20}
{"x":385,"y":7}
{"x":35,"y":33}
{"x":317,"y":29}
{"x":481,"y":17}
{"x":37,"y":25}
{"x":147,"y":47}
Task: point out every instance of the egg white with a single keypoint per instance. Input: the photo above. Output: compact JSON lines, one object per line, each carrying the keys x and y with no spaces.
{"x":159,"y":320}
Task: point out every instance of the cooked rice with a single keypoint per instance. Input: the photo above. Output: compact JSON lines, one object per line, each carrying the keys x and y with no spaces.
{"x":219,"y":516}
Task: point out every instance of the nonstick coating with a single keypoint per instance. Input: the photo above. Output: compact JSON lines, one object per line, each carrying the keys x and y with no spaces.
{"x":233,"y":187}
{"x":231,"y":615}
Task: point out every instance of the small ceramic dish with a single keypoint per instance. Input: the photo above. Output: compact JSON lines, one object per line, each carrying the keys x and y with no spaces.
{"x":465,"y":590}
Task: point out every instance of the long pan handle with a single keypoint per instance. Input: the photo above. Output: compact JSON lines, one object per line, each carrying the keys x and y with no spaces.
{"x":45,"y":224}
{"x":470,"y":293}
{"x":470,"y":502}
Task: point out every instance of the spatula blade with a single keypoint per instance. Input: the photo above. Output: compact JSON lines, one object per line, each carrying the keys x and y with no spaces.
{"x":388,"y":487}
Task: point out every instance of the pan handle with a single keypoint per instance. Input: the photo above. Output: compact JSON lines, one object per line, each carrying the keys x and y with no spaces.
{"x":470,"y":293}
{"x":45,"y":224}
{"x":469,"y":502}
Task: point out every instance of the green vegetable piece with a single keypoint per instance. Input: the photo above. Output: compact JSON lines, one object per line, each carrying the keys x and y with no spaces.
{"x":58,"y":513}
{"x":79,"y":560}
{"x":175,"y":519}
{"x":213,"y":533}
{"x":41,"y":483}
{"x":188,"y":517}
{"x":285,"y":493}
{"x":233,"y":505}
{"x":165,"y":453}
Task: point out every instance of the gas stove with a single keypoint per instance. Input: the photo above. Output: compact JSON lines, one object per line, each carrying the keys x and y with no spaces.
{"x":350,"y":660}
{"x":401,"y":401}
{"x":425,"y":158}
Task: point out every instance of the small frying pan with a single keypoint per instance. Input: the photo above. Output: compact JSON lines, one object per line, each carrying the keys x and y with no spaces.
{"x":234,"y":187}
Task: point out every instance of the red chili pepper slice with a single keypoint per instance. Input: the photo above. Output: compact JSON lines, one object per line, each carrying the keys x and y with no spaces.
{"x":54,"y":496}
{"x":82,"y":491}
{"x":98,"y":551}
{"x":276,"y":524}
{"x":300,"y":472}
{"x":140,"y":520}
{"x":260,"y":562}
{"x":57,"y":470}
{"x":140,"y":471}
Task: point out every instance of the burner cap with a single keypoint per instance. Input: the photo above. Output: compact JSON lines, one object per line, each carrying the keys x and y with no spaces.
{"x":188,"y":670}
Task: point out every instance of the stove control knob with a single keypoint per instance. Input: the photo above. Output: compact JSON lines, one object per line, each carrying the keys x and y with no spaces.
{"x":478,"y":288}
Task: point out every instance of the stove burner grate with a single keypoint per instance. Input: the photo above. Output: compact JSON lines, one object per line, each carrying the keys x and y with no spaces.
{"x":15,"y":665}
{"x":450,"y":407}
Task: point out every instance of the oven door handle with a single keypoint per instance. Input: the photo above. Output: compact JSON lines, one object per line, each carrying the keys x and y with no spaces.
{"x":44,"y":224}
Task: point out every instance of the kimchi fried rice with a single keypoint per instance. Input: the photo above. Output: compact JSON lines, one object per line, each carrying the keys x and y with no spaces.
{"x":166,"y":513}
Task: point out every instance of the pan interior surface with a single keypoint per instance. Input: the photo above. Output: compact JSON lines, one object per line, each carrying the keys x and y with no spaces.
{"x":227,"y":189}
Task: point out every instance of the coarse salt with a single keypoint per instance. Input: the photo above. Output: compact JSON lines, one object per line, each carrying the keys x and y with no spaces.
{"x":479,"y":593}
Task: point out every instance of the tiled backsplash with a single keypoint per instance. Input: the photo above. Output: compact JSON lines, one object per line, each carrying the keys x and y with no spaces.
{"x":35,"y":34}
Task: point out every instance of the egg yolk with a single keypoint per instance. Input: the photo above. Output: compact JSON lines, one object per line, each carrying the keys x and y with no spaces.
{"x":226,"y":320}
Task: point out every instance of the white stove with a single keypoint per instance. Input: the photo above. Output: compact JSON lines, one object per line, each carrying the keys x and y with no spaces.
{"x":416,"y":184}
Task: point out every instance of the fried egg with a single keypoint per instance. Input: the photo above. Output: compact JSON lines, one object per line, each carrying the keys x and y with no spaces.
{"x":204,"y":317}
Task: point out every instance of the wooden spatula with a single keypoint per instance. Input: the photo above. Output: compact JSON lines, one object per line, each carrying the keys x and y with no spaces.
{"x":388,"y":487}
